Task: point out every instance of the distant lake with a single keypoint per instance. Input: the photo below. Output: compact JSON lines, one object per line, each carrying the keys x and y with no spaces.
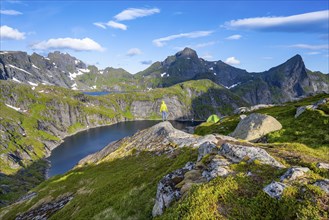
{"x":97,"y":93}
{"x":74,"y":148}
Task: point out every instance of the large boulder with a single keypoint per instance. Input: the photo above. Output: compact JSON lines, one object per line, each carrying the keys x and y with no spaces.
{"x":237,"y":153}
{"x":255,"y":126}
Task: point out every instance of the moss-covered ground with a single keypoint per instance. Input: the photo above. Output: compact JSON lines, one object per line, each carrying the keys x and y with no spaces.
{"x":120,"y":189}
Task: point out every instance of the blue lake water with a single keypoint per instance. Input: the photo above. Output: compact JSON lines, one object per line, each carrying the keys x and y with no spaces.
{"x":76,"y":147}
{"x":97,"y":93}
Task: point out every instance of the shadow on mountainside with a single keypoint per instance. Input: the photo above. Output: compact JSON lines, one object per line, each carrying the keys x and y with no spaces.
{"x":13,"y":186}
{"x":216,"y":101}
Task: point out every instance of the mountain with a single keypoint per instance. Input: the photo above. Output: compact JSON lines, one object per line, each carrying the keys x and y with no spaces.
{"x":186,"y":65}
{"x":60,"y":69}
{"x":286,"y":82}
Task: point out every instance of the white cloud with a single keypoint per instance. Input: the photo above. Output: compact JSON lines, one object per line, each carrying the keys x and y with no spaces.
{"x":116,"y":25}
{"x":133,"y":13}
{"x":313,"y":53}
{"x":160,"y":42}
{"x":85,"y":44}
{"x":11,"y":33}
{"x":205,"y":44}
{"x":99,"y":24}
{"x":311,"y":47}
{"x":232,"y":61}
{"x":207,"y":56}
{"x":133,"y":52}
{"x":234,"y":37}
{"x":308,"y":22}
{"x":111,"y":24}
{"x":10,"y":12}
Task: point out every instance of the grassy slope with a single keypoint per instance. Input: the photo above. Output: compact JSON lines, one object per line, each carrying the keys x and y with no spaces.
{"x":120,"y":189}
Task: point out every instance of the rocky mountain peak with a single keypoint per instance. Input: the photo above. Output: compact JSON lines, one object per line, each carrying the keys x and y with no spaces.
{"x":187,"y":53}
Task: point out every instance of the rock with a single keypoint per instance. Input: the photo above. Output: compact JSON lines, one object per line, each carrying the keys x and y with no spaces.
{"x":225,"y":138}
{"x":189,"y":129}
{"x":216,"y":167}
{"x":167,"y":192}
{"x":206,"y":148}
{"x":323,"y":184}
{"x":27,"y":197}
{"x":294,"y":173}
{"x":251,"y":108}
{"x":236,"y":153}
{"x":255,"y":126}
{"x":302,"y":109}
{"x":242,"y":116}
{"x":46,"y":210}
{"x":275,"y":189}
{"x":323,"y":165}
{"x":315,"y":105}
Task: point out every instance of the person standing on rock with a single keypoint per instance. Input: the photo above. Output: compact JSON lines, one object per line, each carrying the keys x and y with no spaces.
{"x":164,"y":111}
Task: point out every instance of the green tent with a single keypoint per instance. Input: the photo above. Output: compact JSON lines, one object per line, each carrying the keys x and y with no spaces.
{"x":213,"y":119}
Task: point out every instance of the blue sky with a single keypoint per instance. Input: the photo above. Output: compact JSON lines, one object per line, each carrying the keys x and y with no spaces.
{"x":251,"y":35}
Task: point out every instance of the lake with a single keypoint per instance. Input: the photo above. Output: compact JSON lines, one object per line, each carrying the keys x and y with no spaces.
{"x":76,"y":147}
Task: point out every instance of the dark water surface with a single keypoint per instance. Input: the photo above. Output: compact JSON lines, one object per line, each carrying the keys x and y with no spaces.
{"x":76,"y":147}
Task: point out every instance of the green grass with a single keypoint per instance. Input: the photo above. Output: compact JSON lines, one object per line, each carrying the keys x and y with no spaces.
{"x":240,"y":196}
{"x":310,"y":128}
{"x":121,"y":189}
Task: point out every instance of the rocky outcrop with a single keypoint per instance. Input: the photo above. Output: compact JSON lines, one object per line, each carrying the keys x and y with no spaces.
{"x":314,"y":106}
{"x":323,"y":165}
{"x":46,"y":210}
{"x":275,"y":189}
{"x":213,"y":161}
{"x":237,"y":153}
{"x":167,"y":192}
{"x":255,"y":126}
{"x":294,"y":173}
{"x":252,"y":108}
{"x":160,"y":138}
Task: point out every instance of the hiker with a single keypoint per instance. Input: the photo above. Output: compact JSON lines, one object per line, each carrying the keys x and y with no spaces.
{"x":164,"y":111}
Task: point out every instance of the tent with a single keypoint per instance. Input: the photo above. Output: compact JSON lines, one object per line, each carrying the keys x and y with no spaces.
{"x":213,"y":119}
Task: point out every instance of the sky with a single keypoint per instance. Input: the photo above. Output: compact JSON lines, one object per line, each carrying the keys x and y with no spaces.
{"x":251,"y":35}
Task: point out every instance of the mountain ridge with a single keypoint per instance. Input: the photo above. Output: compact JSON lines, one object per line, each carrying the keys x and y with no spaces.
{"x":285,"y":82}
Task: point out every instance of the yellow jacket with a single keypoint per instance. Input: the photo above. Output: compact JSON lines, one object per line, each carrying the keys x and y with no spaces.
{"x":163,"y":107}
